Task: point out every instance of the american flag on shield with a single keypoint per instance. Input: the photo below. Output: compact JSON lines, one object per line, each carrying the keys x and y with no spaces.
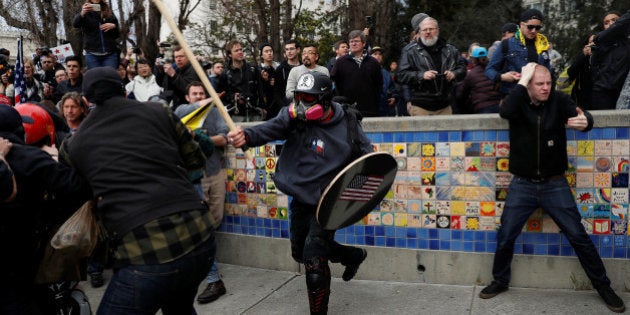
{"x":361,"y":188}
{"x":19,"y":83}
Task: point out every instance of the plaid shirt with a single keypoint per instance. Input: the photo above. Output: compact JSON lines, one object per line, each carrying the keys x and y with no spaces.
{"x":165,"y":239}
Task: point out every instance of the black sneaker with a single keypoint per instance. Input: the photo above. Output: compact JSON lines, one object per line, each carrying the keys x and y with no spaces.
{"x":613,"y":301}
{"x":492,"y":290}
{"x":352,"y":268}
{"x":96,"y":279}
{"x":212,"y":292}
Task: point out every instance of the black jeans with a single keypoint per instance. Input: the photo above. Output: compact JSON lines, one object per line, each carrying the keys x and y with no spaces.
{"x":309,"y":240}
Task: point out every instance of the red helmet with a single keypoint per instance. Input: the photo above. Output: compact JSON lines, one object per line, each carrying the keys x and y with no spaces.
{"x":37,"y":123}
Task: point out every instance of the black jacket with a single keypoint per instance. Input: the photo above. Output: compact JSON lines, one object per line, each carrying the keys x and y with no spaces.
{"x":416,"y":60}
{"x":281,"y":76}
{"x":538,"y":139}
{"x":178,"y":83}
{"x":610,"y":62}
{"x":135,"y":162}
{"x":361,"y":84}
{"x":48,"y":192}
{"x":95,"y":40}
{"x":580,"y":71}
{"x":246,"y":82}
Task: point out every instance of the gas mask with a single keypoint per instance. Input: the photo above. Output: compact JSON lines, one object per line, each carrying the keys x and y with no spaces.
{"x":306,"y":107}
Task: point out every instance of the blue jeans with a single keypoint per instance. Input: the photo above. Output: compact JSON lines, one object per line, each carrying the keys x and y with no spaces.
{"x":144,"y":289}
{"x":555,"y":197}
{"x":94,"y":61}
{"x":213,"y":275}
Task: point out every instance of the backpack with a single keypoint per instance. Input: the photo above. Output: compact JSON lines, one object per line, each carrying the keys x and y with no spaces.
{"x":353,"y":119}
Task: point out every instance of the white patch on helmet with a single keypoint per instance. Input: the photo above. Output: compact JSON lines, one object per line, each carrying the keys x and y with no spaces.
{"x":306,"y":82}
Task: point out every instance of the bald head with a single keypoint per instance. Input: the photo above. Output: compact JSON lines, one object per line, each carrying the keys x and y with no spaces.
{"x":539,"y":87}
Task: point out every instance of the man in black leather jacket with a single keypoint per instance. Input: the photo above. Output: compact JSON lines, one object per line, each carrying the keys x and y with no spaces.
{"x":430,"y":67}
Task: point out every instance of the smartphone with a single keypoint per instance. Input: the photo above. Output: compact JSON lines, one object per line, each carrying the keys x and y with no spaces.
{"x":368,"y":21}
{"x":95,"y":6}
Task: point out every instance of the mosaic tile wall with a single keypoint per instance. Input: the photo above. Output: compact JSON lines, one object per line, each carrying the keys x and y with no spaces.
{"x":449,"y":194}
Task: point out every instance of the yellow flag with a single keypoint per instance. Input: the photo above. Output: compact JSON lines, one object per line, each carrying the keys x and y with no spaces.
{"x":196,"y":118}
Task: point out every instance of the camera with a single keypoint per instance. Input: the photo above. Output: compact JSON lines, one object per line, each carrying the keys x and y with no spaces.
{"x":269,"y":70}
{"x":136,"y":50}
{"x":95,"y":6}
{"x":165,"y":44}
{"x":368,"y":21}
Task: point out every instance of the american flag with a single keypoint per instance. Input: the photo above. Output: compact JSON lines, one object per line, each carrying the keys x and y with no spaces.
{"x":19,"y":83}
{"x":361,"y":188}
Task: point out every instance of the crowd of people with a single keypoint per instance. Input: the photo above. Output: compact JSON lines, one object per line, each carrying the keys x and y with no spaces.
{"x":68,"y":137}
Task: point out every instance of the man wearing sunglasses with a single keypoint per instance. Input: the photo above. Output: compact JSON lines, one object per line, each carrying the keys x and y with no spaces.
{"x":310,"y":57}
{"x":527,"y":45}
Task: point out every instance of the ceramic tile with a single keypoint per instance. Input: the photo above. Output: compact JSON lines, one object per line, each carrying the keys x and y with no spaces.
{"x":448,"y":187}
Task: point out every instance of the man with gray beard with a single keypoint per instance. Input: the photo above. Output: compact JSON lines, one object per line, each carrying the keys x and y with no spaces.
{"x":430,"y":67}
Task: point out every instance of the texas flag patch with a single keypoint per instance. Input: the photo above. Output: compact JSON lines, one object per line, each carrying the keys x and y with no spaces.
{"x":317,"y":145}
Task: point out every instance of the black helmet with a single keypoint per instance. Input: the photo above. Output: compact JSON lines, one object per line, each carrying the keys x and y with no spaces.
{"x":315,"y":83}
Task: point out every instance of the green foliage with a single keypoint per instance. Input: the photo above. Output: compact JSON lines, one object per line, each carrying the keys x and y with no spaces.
{"x":570,"y":22}
{"x":314,"y":27}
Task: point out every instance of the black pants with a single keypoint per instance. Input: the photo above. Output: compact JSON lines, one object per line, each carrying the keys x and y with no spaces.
{"x":309,"y":240}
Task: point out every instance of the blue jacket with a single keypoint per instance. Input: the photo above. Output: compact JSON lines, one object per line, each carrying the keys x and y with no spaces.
{"x":389,"y":91}
{"x":312,"y":156}
{"x":513,"y":60}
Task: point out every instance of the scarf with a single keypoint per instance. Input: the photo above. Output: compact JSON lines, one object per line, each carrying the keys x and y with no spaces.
{"x":541,"y":41}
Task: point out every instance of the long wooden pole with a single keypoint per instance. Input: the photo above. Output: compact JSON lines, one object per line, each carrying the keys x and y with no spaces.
{"x":198,"y":69}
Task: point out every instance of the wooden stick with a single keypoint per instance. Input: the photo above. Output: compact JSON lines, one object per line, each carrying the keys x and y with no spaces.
{"x":198,"y":69}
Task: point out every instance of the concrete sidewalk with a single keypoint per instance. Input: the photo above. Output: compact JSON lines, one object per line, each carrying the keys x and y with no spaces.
{"x":262,"y":291}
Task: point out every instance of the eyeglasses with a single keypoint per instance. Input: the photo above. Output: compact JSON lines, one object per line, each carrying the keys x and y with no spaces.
{"x":531,"y":27}
{"x":306,"y":98}
{"x":428,"y":29}
{"x":46,"y":61}
{"x":312,"y":53}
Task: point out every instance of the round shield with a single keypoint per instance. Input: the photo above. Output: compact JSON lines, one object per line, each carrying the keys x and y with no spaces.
{"x":356,"y":190}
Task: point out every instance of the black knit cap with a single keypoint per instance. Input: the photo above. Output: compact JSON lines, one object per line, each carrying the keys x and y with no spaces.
{"x":11,"y":121}
{"x":100,"y":77}
{"x":531,"y":14}
{"x":509,"y":27}
{"x":262,"y":46}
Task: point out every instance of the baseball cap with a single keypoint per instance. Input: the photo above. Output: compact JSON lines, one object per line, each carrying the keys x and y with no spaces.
{"x":479,"y":52}
{"x":377,"y":48}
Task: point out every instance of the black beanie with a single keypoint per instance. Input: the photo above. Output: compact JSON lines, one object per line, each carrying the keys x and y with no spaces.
{"x":102,"y":83}
{"x":531,"y":14}
{"x":11,"y":121}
